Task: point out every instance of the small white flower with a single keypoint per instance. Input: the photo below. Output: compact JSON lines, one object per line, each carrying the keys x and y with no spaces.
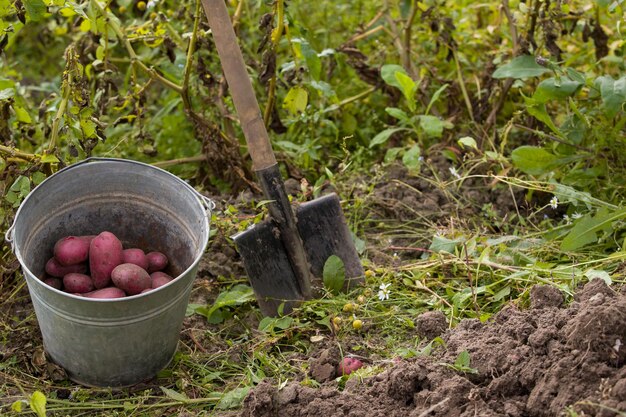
{"x":383,"y":294}
{"x":554,"y":202}
{"x":567,"y":219}
{"x":576,"y":216}
{"x":454,"y":173}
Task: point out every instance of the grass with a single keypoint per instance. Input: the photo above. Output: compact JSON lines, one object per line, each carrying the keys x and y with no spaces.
{"x":463,"y":270}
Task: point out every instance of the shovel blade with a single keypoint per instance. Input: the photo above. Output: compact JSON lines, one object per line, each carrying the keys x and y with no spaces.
{"x":324,"y":232}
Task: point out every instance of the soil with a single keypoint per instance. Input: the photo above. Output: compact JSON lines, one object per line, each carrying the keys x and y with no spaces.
{"x":524,"y":363}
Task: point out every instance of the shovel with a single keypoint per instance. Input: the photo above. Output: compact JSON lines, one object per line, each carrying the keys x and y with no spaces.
{"x":285,"y":255}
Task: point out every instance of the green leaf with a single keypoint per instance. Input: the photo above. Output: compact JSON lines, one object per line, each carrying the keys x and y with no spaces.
{"x":7,"y":93}
{"x":176,"y":396}
{"x":324,"y":88}
{"x":585,"y":229}
{"x":384,"y":136}
{"x":442,"y":244}
{"x":397,"y":113}
{"x":538,"y":110}
{"x":88,"y":127}
{"x":334,"y":274}
{"x":38,"y":403}
{"x":311,"y":59}
{"x":296,"y":100}
{"x":411,"y":159}
{"x":392,"y":154}
{"x":266,"y":324}
{"x":463,"y":360}
{"x":237,"y":295}
{"x":388,"y":74}
{"x":408,"y":88}
{"x":283,"y":322}
{"x":572,"y":195}
{"x":468,"y":142}
{"x":435,"y":97}
{"x":232,"y":399}
{"x":17,"y":406}
{"x":35,"y":9}
{"x":552,"y":88}
{"x":38,"y":177}
{"x":48,"y":158}
{"x":22,"y":115}
{"x":432,"y":125}
{"x":523,"y":66}
{"x":592,"y":274}
{"x":613,"y":94}
{"x":504,"y":292}
{"x":575,"y":75}
{"x":533,"y":160}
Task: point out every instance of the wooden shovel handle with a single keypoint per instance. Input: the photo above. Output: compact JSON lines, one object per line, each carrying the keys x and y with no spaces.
{"x":239,"y":83}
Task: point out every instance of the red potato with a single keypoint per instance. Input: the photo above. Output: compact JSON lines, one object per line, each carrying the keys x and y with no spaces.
{"x":77,"y":283}
{"x":55,"y":269}
{"x":54,"y":282}
{"x":156,"y":261}
{"x":159,"y":279}
{"x":105,"y":253}
{"x":108,"y":292}
{"x":348,"y":365}
{"x":135,"y":256}
{"x":72,"y":250}
{"x":131,"y":278}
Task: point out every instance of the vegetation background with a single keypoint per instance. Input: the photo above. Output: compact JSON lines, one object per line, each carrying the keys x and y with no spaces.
{"x":518,"y":101}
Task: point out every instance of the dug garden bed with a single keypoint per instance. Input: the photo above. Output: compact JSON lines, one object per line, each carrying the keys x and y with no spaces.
{"x":548,"y":360}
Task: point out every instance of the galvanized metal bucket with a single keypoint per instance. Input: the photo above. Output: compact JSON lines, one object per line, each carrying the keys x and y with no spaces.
{"x":112,"y":342}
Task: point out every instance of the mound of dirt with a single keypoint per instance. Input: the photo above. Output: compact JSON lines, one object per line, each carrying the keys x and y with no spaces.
{"x":537,"y":362}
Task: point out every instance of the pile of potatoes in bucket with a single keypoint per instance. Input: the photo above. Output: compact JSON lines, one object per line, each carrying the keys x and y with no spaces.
{"x":115,"y":272}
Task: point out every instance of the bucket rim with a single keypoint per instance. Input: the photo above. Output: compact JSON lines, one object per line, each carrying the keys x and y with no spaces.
{"x":204,"y":202}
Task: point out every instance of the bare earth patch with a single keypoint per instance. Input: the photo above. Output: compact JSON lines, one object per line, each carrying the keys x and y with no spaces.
{"x":535,"y":362}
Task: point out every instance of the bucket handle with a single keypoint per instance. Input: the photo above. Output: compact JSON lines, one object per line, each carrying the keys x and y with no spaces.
{"x":207,"y":203}
{"x":9,"y":235}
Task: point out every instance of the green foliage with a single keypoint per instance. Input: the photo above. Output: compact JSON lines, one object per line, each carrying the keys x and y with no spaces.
{"x":462,"y":363}
{"x":37,"y":403}
{"x":334,"y":274}
{"x":586,"y":229}
{"x":220,"y":310}
{"x":523,"y":66}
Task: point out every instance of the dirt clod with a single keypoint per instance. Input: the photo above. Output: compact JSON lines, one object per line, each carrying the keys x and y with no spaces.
{"x":544,"y":296}
{"x":323,"y":368}
{"x":593,"y":287}
{"x":431,"y":324}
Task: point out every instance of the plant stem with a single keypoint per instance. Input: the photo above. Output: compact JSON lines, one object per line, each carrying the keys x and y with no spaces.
{"x":406,"y":54}
{"x":178,"y":161}
{"x":237,"y":15}
{"x":135,"y":61}
{"x":468,"y":102}
{"x":14,"y":153}
{"x":188,"y":61}
{"x":275,"y":38}
{"x":552,"y":137}
{"x":349,"y":100}
{"x":60,"y":111}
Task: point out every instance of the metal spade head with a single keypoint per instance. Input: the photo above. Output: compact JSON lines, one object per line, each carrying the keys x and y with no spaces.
{"x":324,"y":232}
